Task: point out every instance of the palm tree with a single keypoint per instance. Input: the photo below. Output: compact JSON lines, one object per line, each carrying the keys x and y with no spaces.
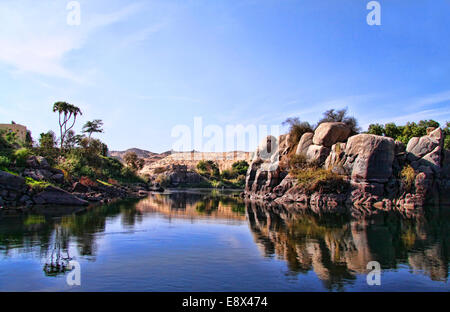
{"x":93,"y":126}
{"x":66,"y":111}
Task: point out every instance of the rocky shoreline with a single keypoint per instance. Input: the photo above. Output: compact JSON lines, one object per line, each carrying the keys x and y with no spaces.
{"x":370,"y":166}
{"x":16,"y":193}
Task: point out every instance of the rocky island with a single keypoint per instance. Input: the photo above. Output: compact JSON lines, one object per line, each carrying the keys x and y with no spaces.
{"x":359,"y":173}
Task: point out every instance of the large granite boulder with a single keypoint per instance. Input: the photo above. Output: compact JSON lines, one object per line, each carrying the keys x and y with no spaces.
{"x":317,"y":154}
{"x":420,"y":146}
{"x":329,"y":133}
{"x":427,"y":150}
{"x":305,"y":141}
{"x":12,"y":182}
{"x":265,"y":171}
{"x":55,"y":196}
{"x":369,"y":158}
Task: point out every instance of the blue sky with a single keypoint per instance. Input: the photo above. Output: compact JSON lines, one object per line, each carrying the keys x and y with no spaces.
{"x":147,"y":66}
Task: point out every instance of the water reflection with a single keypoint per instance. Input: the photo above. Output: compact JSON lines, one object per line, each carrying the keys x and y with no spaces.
{"x":336,"y":248}
{"x":213,"y":205}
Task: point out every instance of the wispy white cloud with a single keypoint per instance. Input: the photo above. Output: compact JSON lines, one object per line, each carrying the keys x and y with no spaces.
{"x":35,"y":38}
{"x":431,"y":99}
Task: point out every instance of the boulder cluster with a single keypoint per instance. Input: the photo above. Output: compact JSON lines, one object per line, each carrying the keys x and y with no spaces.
{"x":175,"y":175}
{"x":15,"y":192}
{"x":371,"y":165}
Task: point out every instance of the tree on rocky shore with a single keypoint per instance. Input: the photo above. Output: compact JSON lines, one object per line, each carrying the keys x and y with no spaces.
{"x":297,"y":128}
{"x":333,"y":115}
{"x":94,"y":126}
{"x":67,"y":112}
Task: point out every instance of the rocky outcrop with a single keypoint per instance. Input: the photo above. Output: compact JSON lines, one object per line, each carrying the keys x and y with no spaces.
{"x":369,"y":158}
{"x":371,"y":164}
{"x":178,"y":175}
{"x":12,"y":182}
{"x":55,"y":196}
{"x":17,"y":192}
{"x":305,"y":141}
{"x":427,"y":150}
{"x":329,"y":133}
{"x":317,"y":154}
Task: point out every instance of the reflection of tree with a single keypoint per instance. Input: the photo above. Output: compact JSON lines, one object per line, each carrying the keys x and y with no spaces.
{"x":50,"y":236}
{"x":337,"y":248}
{"x":59,"y":258}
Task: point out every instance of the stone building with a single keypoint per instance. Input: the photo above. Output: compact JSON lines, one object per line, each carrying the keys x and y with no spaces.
{"x":20,"y":130}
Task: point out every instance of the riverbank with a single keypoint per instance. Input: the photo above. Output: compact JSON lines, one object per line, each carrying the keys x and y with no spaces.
{"x":39,"y":184}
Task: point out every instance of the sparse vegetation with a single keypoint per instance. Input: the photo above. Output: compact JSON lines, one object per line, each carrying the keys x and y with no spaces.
{"x":159,"y":170}
{"x":408,"y":176}
{"x":208,"y":168}
{"x":20,"y":156}
{"x":298,"y":162}
{"x":320,"y":180}
{"x":162,"y":180}
{"x":133,"y":161}
{"x":296,"y":129}
{"x":341,"y":115}
{"x":447,"y":136}
{"x":36,"y":185}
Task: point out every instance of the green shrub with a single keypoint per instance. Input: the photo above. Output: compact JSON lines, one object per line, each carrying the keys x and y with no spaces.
{"x":21,"y":155}
{"x":298,"y":162}
{"x":36,"y":185}
{"x":208,"y":168}
{"x":228,"y":174}
{"x":240,"y":167}
{"x":408,"y":176}
{"x":163,"y":180}
{"x":5,"y":162}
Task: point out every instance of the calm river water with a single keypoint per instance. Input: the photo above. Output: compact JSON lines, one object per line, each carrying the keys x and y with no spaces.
{"x":210,"y":241}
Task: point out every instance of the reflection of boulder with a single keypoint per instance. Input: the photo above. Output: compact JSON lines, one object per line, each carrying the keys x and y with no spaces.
{"x":336,"y":248}
{"x":430,"y":260}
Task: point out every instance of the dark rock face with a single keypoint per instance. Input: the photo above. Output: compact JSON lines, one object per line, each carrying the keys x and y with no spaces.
{"x":11,"y":182}
{"x":56,"y":196}
{"x":80,"y":188}
{"x":180,"y":175}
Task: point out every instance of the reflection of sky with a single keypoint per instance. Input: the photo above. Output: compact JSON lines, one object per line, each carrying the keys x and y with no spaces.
{"x":177,"y":255}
